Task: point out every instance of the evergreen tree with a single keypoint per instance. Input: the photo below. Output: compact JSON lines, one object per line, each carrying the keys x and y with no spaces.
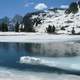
{"x":0,"y":27}
{"x":17,"y":27}
{"x":50,"y":29}
{"x":53,"y":28}
{"x":4,"y":27}
{"x":28,"y":24}
{"x":73,"y":31}
{"x":79,"y":3}
{"x":72,"y":8}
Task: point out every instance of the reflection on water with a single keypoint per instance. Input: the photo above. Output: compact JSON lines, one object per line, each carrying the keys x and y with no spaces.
{"x":58,"y":49}
{"x":44,"y":49}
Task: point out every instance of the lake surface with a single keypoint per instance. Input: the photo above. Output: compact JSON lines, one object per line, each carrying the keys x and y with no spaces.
{"x":60,"y":60}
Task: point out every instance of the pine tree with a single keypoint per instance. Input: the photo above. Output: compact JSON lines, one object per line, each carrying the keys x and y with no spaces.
{"x":53,"y":28}
{"x":73,"y":31}
{"x":50,"y":29}
{"x":28,"y":24}
{"x":79,"y":3}
{"x":17,"y":27}
{"x":72,"y":8}
{"x":4,"y":27}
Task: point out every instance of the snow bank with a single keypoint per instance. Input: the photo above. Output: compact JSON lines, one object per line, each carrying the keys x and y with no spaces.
{"x":36,"y":37}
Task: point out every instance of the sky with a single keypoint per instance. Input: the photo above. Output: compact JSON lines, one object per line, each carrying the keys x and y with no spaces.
{"x":12,"y":7}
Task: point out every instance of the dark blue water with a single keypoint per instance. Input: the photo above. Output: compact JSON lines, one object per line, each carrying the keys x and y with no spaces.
{"x":10,"y":54}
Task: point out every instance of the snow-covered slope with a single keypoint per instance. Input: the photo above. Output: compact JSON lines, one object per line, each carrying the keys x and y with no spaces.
{"x":59,"y":19}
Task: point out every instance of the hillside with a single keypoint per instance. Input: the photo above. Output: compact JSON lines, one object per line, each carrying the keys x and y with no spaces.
{"x":58,"y":17}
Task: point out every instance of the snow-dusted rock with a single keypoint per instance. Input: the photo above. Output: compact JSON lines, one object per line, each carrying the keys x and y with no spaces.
{"x":59,"y":19}
{"x":30,"y":60}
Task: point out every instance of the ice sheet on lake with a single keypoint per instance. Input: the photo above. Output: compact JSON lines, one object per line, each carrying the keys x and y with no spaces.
{"x":36,"y":37}
{"x":8,"y":74}
{"x":62,"y":63}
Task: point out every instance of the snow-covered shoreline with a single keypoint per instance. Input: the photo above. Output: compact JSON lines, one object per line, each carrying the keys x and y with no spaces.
{"x":36,"y":37}
{"x":11,"y":74}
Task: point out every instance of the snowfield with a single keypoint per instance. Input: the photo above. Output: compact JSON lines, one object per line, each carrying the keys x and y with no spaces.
{"x":36,"y":37}
{"x":59,"y":19}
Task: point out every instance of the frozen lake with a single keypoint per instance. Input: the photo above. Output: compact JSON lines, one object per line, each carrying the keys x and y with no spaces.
{"x":62,"y":62}
{"x":23,"y":37}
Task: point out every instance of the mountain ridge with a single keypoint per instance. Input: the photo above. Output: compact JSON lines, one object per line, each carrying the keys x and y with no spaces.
{"x":63,"y":22}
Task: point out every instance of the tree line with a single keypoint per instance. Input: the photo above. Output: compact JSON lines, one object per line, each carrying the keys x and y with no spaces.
{"x":5,"y":28}
{"x":28,"y":28}
{"x":50,"y":29}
